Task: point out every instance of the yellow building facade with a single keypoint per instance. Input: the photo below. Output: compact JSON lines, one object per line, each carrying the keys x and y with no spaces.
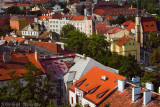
{"x":125,"y":46}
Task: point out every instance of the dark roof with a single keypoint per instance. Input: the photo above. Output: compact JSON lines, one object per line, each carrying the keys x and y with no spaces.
{"x":148,"y":24}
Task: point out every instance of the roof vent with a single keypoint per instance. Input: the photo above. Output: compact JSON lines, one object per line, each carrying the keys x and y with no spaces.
{"x":104,"y":78}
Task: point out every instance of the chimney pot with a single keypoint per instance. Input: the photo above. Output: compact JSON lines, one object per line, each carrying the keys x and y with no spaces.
{"x":121,"y":85}
{"x":6,"y":57}
{"x":136,"y":93}
{"x":149,"y":86}
{"x":146,"y":97}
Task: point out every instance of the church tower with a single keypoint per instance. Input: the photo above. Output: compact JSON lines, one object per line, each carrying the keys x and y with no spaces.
{"x":138,"y":20}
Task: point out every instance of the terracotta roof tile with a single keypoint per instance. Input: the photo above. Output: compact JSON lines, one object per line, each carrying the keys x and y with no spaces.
{"x":82,"y":17}
{"x":100,"y":12}
{"x":19,"y":39}
{"x":148,"y":24}
{"x":114,"y":30}
{"x":17,"y":62}
{"x":102,"y":26}
{"x":97,"y":73}
{"x":123,"y":40}
{"x":124,"y":99}
{"x":127,"y":23}
{"x":131,"y":26}
{"x":109,"y":17}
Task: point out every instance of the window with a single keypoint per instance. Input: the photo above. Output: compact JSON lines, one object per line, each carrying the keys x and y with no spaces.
{"x":72,"y":99}
{"x":90,"y":26}
{"x":58,"y":102}
{"x":133,"y":43}
{"x":50,"y":25}
{"x":129,"y":43}
{"x":56,"y":21}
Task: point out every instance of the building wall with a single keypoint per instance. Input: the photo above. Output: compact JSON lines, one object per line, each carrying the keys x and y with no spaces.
{"x":20,"y":24}
{"x":85,"y":102}
{"x":4,"y":22}
{"x":72,"y":98}
{"x":133,"y":48}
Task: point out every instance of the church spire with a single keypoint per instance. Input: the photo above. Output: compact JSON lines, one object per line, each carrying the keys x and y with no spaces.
{"x":139,"y":8}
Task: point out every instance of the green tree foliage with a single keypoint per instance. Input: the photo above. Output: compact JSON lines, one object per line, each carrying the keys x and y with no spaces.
{"x":153,"y":77}
{"x":38,"y":89}
{"x":65,"y":29}
{"x":120,"y":19}
{"x":106,"y":105}
{"x":6,"y":30}
{"x":77,"y":41}
{"x":14,"y":10}
{"x":38,"y":13}
{"x":154,"y":58}
{"x":66,"y":10}
{"x":130,"y":18}
{"x":130,"y":68}
{"x":97,"y":47}
{"x":153,"y":41}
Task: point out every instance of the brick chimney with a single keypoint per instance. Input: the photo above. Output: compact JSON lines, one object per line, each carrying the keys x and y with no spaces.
{"x":136,"y":93}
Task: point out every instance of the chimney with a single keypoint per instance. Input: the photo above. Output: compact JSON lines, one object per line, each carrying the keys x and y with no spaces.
{"x":103,"y":78}
{"x":159,"y":90}
{"x":39,"y":40}
{"x":136,"y":80}
{"x":6,"y":57}
{"x":50,"y":41}
{"x":121,"y":85}
{"x":149,"y":86}
{"x":36,"y":55}
{"x":146,"y":97}
{"x":136,"y":93}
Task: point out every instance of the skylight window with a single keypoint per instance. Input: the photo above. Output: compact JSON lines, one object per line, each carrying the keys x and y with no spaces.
{"x":86,"y":84}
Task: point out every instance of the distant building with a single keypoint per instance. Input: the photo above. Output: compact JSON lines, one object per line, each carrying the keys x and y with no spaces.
{"x":18,"y":22}
{"x":33,"y":29}
{"x":4,"y":21}
{"x":126,"y":46}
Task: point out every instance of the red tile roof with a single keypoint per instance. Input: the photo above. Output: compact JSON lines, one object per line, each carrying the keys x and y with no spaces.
{"x":124,"y":99}
{"x":127,"y":23}
{"x":123,"y":40}
{"x":109,"y":17}
{"x":22,"y":4}
{"x":49,"y":46}
{"x":19,"y":39}
{"x":102,"y":26}
{"x":82,"y":17}
{"x":131,"y":26}
{"x":42,"y":17}
{"x":148,"y":24}
{"x":100,"y":12}
{"x":17,"y":62}
{"x":97,"y":86}
{"x":114,"y":30}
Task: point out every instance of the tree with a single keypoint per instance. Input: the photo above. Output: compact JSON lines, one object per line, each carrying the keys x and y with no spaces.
{"x":6,"y":30}
{"x":130,"y":68}
{"x":66,"y":10}
{"x":153,"y":41}
{"x":97,"y":46}
{"x":153,"y":77}
{"x":154,"y":58}
{"x":13,"y":10}
{"x":120,"y":19}
{"x":38,"y":89}
{"x":77,"y":41}
{"x":66,"y":28}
